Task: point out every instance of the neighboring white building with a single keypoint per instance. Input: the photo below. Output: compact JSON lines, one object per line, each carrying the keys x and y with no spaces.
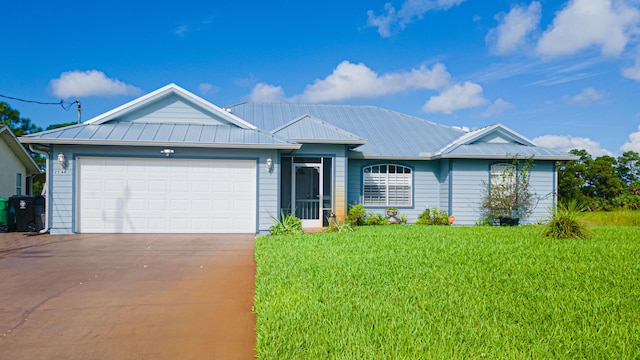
{"x":16,"y":166}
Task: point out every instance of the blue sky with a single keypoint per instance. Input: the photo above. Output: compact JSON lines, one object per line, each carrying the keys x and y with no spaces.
{"x":565,"y":74}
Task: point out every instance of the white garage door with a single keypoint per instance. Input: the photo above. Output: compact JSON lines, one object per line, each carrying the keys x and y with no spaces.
{"x":124,"y":195}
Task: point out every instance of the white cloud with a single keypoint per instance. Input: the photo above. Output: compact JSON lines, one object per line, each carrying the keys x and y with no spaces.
{"x":497,"y":108}
{"x":349,"y":81}
{"x":206,"y":88}
{"x":633,"y":72}
{"x":514,"y":27}
{"x":567,"y":143}
{"x":89,"y":83}
{"x":607,"y":24}
{"x":587,"y":96}
{"x":410,"y":10}
{"x":633,"y":144}
{"x":267,"y":93}
{"x":457,"y":97}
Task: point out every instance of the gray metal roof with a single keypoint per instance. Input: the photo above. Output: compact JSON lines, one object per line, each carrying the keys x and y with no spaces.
{"x":154,"y":134}
{"x":499,"y":150}
{"x":311,"y":129}
{"x":388,"y":133}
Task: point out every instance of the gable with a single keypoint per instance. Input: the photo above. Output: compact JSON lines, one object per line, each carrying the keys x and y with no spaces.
{"x":309,"y":129}
{"x":12,"y":147}
{"x":173,"y":110}
{"x":171,"y":104}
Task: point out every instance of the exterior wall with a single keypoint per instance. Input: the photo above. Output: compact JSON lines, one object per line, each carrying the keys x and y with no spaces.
{"x":339,"y":178}
{"x":62,"y":187}
{"x":426,"y":186}
{"x":445,"y":193}
{"x":172,"y":110}
{"x":10,"y":165}
{"x":544,"y":184}
{"x":467,"y":189}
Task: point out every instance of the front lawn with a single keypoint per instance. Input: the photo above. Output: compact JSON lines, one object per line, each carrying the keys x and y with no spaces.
{"x":431,"y":292}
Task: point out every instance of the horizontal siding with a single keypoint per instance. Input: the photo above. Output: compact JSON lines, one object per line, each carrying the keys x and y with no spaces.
{"x":466,"y":190}
{"x":173,"y":110}
{"x":426,"y":186}
{"x":543,"y":184}
{"x":62,"y":187}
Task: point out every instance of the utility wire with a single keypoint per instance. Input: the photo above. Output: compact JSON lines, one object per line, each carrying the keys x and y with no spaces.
{"x":65,"y":105}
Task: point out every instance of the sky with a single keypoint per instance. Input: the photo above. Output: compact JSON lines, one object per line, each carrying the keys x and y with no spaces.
{"x":564,"y":74}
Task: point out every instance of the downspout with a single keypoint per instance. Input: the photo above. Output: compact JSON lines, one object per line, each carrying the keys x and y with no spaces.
{"x":46,"y":183}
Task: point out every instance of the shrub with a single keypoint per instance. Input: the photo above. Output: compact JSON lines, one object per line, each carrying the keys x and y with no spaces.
{"x":338,"y":226}
{"x":287,"y":225}
{"x":433,"y":217}
{"x":567,"y":223}
{"x":356,"y":215}
{"x":375,"y":219}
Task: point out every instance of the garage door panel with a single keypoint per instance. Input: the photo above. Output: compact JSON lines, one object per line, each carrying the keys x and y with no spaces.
{"x":166,"y":195}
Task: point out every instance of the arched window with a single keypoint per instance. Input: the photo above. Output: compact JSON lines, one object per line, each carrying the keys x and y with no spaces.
{"x":387,"y":185}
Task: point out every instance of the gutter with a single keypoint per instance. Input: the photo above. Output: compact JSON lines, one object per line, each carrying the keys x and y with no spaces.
{"x":46,"y":183}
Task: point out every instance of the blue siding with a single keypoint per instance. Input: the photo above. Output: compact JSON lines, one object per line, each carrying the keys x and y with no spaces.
{"x":426,"y":185}
{"x":63,"y":189}
{"x":543,"y":183}
{"x":467,"y":189}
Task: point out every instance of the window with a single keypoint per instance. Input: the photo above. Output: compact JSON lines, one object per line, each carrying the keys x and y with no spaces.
{"x":18,"y":184}
{"x":387,"y":185}
{"x":503,"y":174}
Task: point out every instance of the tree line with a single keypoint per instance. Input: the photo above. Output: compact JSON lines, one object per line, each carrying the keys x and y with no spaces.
{"x":604,"y":183}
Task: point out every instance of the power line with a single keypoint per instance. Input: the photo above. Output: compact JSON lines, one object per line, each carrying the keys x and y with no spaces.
{"x":65,"y":105}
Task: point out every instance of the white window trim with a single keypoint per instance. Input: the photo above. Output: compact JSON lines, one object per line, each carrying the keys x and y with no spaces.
{"x":497,"y":172}
{"x":386,"y":180}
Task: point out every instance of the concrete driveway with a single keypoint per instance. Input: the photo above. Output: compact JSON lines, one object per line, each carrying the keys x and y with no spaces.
{"x":126,"y":296}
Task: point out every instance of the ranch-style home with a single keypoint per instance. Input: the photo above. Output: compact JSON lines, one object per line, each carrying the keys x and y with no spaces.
{"x":16,"y":166}
{"x":171,"y":162}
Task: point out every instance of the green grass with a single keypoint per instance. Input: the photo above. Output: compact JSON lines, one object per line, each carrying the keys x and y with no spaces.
{"x":613,"y":218}
{"x":426,"y":292}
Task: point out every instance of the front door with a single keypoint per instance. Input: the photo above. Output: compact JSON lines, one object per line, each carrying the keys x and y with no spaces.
{"x":307,"y":193}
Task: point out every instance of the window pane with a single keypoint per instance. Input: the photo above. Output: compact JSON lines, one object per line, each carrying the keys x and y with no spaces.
{"x":387,"y":185}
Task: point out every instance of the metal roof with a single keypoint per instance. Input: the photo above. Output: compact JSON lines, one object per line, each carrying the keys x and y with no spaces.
{"x":154,"y":134}
{"x":500,"y":150}
{"x":311,"y":129}
{"x":388,"y":133}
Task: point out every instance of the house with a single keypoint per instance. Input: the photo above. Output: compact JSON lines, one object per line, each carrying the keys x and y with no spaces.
{"x":170,"y":161}
{"x":16,"y":166}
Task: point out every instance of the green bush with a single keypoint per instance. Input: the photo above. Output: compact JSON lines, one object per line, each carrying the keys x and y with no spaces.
{"x":288,"y":224}
{"x":375,"y":219}
{"x":567,"y":223}
{"x":356,"y":215}
{"x":433,"y":217}
{"x":338,"y":226}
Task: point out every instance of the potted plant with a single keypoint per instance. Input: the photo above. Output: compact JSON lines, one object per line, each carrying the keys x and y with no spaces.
{"x":392,"y":215}
{"x":508,"y":198}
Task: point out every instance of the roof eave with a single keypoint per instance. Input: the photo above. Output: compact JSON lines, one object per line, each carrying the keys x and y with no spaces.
{"x":159,"y":144}
{"x":20,"y":152}
{"x":507,"y":156}
{"x":329,"y":141}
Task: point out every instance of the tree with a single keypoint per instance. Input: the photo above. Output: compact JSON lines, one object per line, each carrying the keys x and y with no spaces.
{"x":19,"y":126}
{"x":509,"y":195}
{"x":604,"y":179}
{"x":627,"y":167}
{"x":572,"y":178}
